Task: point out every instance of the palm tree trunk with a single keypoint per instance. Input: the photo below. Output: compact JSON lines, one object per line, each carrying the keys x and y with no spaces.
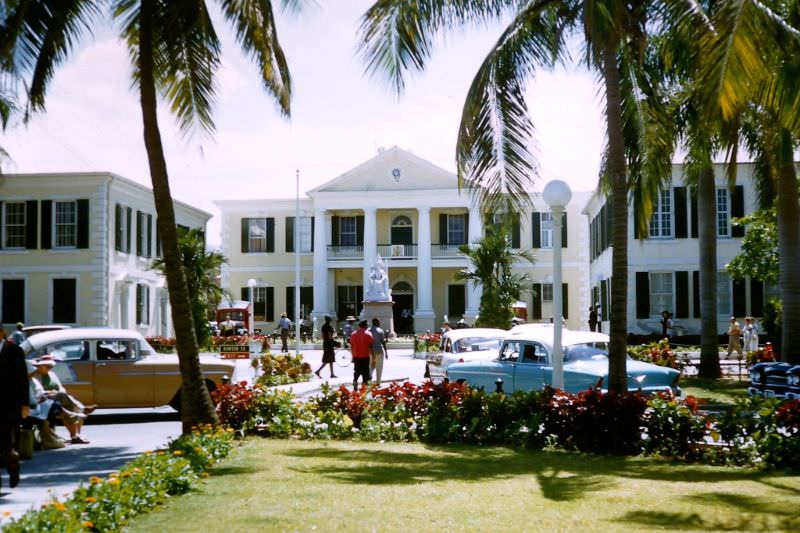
{"x":196,"y":405}
{"x":617,"y":170}
{"x":707,"y":244}
{"x":789,"y":246}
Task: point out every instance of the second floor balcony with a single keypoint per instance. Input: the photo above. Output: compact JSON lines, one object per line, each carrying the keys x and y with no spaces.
{"x":392,"y":252}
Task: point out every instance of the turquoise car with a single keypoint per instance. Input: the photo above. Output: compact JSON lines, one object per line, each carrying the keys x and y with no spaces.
{"x":524,"y":363}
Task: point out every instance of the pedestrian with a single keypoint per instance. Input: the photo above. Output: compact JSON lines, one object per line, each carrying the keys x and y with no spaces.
{"x":665,"y":323}
{"x":18,"y":337}
{"x":379,"y":352}
{"x":734,"y":340}
{"x":14,"y":403}
{"x":361,"y":348}
{"x":446,"y":327}
{"x":328,"y":356}
{"x":592,"y":317}
{"x":285,"y":324}
{"x":750,"y":332}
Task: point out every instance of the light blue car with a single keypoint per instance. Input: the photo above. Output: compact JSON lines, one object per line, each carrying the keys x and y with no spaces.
{"x":524,"y":363}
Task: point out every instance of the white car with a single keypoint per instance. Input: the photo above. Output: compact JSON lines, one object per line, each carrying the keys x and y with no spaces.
{"x":464,"y":345}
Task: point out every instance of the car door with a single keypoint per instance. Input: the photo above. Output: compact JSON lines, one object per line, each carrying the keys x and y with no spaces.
{"x":121,"y":378}
{"x":507,"y":363}
{"x":74,"y":368}
{"x":529,"y":371}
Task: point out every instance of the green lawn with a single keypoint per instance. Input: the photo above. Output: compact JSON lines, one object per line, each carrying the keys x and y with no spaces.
{"x":286,"y":485}
{"x":723,"y":391}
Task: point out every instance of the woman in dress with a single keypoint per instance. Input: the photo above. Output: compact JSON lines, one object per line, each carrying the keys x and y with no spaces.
{"x":54,"y":400}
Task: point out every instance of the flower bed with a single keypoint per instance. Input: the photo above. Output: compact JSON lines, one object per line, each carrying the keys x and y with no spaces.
{"x":426,"y":342}
{"x":108,"y":503}
{"x":274,"y":370}
{"x":657,"y":353}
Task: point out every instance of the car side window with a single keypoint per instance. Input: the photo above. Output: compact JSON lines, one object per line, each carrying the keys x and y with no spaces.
{"x":510,"y":351}
{"x":534,"y":353}
{"x":448,"y":346}
{"x":70,"y":351}
{"x":116,"y":350}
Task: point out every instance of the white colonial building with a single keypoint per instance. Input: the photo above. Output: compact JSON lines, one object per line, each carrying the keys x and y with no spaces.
{"x":664,"y":265}
{"x":412,"y":214}
{"x":76,"y":249}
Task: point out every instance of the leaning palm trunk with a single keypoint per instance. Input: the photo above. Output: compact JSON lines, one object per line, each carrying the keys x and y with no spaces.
{"x":789,"y":247}
{"x":617,"y":171}
{"x":707,"y":243}
{"x":196,"y":405}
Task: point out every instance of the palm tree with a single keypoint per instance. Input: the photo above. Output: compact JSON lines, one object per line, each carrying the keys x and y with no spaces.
{"x":175,"y":52}
{"x":492,"y":155}
{"x":201,"y":268}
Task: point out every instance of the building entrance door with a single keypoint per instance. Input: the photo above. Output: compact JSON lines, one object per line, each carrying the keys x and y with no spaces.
{"x":403,"y":310}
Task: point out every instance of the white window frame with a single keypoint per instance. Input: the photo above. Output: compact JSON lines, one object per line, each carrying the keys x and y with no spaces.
{"x":303,"y":245}
{"x":257,"y":235}
{"x":348,"y":231}
{"x":547,"y":292}
{"x":662,"y":299}
{"x":63,"y":237}
{"x":661,"y":220}
{"x":724,"y":294}
{"x":453,"y":230}
{"x":259,"y":296}
{"x":7,"y":225}
{"x":723,"y":213}
{"x":546,"y":225}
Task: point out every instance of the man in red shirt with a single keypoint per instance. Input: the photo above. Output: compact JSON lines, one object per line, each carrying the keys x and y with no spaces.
{"x":361,"y":347}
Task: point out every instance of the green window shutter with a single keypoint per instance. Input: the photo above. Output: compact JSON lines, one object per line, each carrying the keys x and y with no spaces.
{"x":245,"y":235}
{"x":564,"y":231}
{"x":565,"y":300}
{"x":312,"y":234}
{"x":682,"y":294}
{"x":245,"y":294}
{"x":118,"y":228}
{"x":270,"y":234}
{"x":515,"y":232}
{"x":680,"y":213}
{"x":443,"y":228}
{"x":696,"y":293}
{"x":139,"y":233}
{"x":128,"y":216}
{"x":693,"y":211}
{"x":31,"y":224}
{"x":466,"y":229}
{"x":636,"y":210}
{"x":47,"y":224}
{"x":737,"y":209}
{"x":290,"y":302}
{"x":360,"y":230}
{"x":83,"y":223}
{"x":642,"y":295}
{"x":290,"y":234}
{"x":537,"y":301}
{"x":270,"y":304}
{"x":149,"y":251}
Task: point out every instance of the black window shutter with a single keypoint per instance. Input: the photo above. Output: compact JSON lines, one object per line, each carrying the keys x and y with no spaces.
{"x":270,"y":304}
{"x":360,"y":230}
{"x":290,"y":302}
{"x":47,"y":224}
{"x":536,"y":229}
{"x":83,"y":223}
{"x":270,"y":234}
{"x":149,"y":251}
{"x":466,"y":229}
{"x":1,"y":229}
{"x":680,"y":213}
{"x":635,"y":221}
{"x":564,"y":231}
{"x":335,"y":237}
{"x":442,"y":228}
{"x":696,"y":293}
{"x":693,"y":209}
{"x":642,"y":295}
{"x":682,"y":294}
{"x":537,"y":301}
{"x":515,"y":232}
{"x":139,"y":232}
{"x":128,"y":216}
{"x":118,"y":228}
{"x":290,"y":234}
{"x":158,"y":240}
{"x":31,"y":224}
{"x":739,"y":298}
{"x":245,"y":235}
{"x":609,"y":227}
{"x":245,"y":294}
{"x":737,"y":209}
{"x":312,"y":234}
{"x":756,"y":298}
{"x":601,"y":220}
{"x":565,"y":300}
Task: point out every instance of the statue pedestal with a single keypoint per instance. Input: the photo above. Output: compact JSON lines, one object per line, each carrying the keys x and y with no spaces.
{"x":383,"y":312}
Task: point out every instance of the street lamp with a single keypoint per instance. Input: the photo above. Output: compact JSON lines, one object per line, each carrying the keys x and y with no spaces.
{"x":251,"y":283}
{"x":557,"y":195}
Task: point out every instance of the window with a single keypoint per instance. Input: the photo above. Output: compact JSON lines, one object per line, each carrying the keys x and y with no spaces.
{"x":65,"y":300}
{"x":305,"y":232}
{"x":14,"y":225}
{"x":724,"y":298}
{"x":123,"y":235}
{"x":661,"y":221}
{"x":144,"y":227}
{"x":70,"y":350}
{"x":457,"y":229}
{"x":660,"y":293}
{"x":258,"y":235}
{"x":723,"y":214}
{"x":547,"y":292}
{"x":350,"y":297}
{"x":547,"y":233}
{"x":260,"y":304}
{"x":456,"y":301}
{"x":347,"y":231}
{"x":66,"y":224}
{"x":116,"y":350}
{"x":13,"y":309}
{"x":142,"y":304}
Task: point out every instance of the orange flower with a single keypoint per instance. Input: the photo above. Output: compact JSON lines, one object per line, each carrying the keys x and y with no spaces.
{"x":177,"y":453}
{"x":88,"y":524}
{"x":114,"y":481}
{"x":94,"y":480}
{"x":91,"y":499}
{"x":60,"y":506}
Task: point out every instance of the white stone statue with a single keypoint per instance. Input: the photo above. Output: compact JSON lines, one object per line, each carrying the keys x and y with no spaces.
{"x":378,"y":287}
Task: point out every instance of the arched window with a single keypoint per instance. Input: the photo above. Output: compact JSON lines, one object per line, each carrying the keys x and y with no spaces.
{"x":401,"y":221}
{"x":402,"y":286}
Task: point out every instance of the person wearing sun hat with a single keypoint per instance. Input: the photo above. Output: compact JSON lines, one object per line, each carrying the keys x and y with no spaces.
{"x":18,"y":337}
{"x":57,"y":402}
{"x":285,"y":324}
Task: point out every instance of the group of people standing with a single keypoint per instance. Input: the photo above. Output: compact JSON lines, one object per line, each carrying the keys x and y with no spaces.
{"x":368,"y":348}
{"x":742,"y":337}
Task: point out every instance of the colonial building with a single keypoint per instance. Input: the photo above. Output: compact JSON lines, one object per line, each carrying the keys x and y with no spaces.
{"x":412,"y":214}
{"x":76,"y":249}
{"x":664,"y":265}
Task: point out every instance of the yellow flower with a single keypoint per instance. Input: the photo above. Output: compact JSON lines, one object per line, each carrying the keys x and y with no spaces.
{"x":91,"y":499}
{"x":88,"y":524}
{"x":114,"y":481}
{"x":204,"y":474}
{"x":6,"y":513}
{"x":177,"y":453}
{"x":60,"y":506}
{"x":198,"y":449}
{"x":94,"y":480}
{"x":137,"y":470}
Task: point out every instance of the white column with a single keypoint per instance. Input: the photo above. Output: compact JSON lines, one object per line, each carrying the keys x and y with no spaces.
{"x":370,"y":243}
{"x":558,"y":307}
{"x":424,"y":315}
{"x":321,"y":232}
{"x":473,"y":292}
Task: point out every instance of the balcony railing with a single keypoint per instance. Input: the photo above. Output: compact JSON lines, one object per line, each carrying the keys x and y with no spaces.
{"x":345,"y":252}
{"x":398,"y":251}
{"x":445,"y":251}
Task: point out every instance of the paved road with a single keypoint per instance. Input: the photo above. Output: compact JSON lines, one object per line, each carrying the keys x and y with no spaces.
{"x":119,"y":435}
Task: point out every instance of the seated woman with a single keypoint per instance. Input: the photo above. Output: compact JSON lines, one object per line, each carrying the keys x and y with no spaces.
{"x":55,"y":402}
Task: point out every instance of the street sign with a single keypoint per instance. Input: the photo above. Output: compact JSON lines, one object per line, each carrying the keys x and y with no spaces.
{"x":234,"y":351}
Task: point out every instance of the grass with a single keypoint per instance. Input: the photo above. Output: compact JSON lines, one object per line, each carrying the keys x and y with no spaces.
{"x":287,"y":485}
{"x":718,"y":391}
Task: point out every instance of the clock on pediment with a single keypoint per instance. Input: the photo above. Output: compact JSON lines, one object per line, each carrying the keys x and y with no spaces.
{"x":397,"y":174}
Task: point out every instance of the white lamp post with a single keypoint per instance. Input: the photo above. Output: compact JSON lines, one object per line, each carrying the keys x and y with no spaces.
{"x":297,"y":265}
{"x":251,"y":284}
{"x":557,"y":194}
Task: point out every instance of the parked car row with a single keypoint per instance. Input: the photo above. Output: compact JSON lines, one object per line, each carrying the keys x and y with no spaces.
{"x":780,"y":380}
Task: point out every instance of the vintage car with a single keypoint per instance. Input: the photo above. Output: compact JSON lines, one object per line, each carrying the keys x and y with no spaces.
{"x":464,"y":345}
{"x":118,"y":368}
{"x":524,"y":363}
{"x":776,"y":379}
{"x":29,"y":331}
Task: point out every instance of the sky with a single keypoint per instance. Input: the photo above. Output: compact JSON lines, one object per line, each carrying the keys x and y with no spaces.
{"x":340,"y":116}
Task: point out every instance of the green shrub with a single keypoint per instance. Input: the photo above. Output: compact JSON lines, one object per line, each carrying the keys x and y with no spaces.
{"x":281,"y":369}
{"x":274,"y":413}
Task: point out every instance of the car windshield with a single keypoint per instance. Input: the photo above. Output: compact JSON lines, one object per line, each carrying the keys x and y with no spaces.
{"x":475,"y":344}
{"x":585,"y":351}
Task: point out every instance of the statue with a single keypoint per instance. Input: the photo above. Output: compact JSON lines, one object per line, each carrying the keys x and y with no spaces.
{"x":378,"y":287}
